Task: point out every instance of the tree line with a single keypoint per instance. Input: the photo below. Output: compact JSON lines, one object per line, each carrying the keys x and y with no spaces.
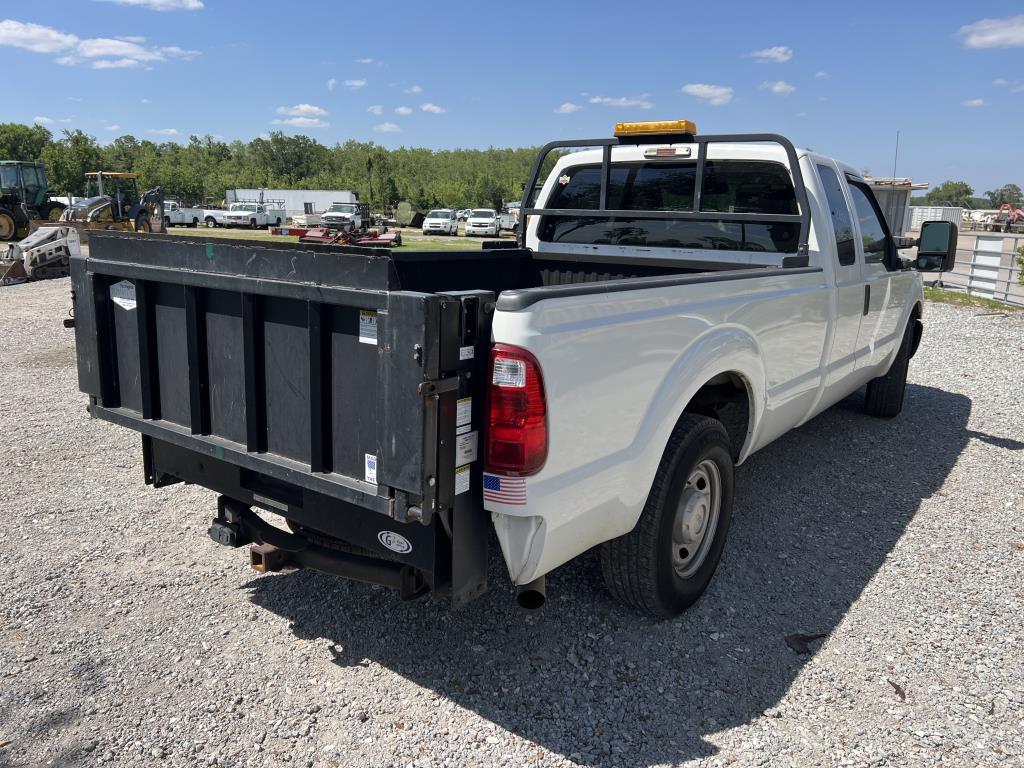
{"x":200,"y":171}
{"x":961,"y":194}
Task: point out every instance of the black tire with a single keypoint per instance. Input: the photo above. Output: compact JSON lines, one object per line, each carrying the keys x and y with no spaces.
{"x":210,"y":222}
{"x":52,"y":211}
{"x":640,"y":568}
{"x":8,"y":225}
{"x":167,"y":222}
{"x":884,"y":397}
{"x":278,"y":224}
{"x":195,"y":223}
{"x":252,"y":223}
{"x":142,"y":224}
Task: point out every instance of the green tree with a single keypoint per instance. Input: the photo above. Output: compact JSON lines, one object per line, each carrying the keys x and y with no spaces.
{"x":23,"y":142}
{"x":1008,"y":193}
{"x":68,"y":159}
{"x":950,"y":193}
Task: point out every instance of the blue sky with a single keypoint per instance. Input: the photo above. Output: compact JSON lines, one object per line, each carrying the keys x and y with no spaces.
{"x":949,"y":76}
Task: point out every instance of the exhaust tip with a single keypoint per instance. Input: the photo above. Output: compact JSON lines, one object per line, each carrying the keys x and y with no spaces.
{"x":533,"y":595}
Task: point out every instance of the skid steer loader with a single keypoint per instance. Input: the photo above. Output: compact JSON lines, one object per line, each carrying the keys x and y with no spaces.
{"x":46,"y":252}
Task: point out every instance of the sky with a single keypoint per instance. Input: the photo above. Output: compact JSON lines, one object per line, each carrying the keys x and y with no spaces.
{"x":837,"y":77}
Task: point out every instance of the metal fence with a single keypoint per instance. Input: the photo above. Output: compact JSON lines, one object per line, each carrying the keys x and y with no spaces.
{"x":987,"y":266}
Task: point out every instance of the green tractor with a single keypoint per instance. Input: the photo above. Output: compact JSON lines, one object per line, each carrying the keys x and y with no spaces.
{"x":23,"y":197}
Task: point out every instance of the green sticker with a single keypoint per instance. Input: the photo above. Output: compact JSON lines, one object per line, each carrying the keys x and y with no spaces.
{"x":209,"y":251}
{"x":218,"y":452}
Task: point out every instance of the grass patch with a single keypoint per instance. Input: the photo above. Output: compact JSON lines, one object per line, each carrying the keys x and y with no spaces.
{"x":965,"y":300}
{"x":412,"y":239}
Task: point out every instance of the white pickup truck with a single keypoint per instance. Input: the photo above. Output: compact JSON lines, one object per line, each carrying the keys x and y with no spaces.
{"x":253,"y":216}
{"x":175,"y":214}
{"x":675,"y":303}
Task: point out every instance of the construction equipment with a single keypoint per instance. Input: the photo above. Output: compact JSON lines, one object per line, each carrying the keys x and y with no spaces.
{"x":330,"y":236}
{"x":24,"y":197}
{"x":111,"y":202}
{"x":1006,"y":219}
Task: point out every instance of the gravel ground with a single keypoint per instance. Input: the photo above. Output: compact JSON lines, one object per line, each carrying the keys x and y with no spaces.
{"x":131,"y":639}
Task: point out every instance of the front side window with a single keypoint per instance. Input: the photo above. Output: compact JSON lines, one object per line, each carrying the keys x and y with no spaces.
{"x":842,"y":224}
{"x":873,"y":232}
{"x":730,"y":186}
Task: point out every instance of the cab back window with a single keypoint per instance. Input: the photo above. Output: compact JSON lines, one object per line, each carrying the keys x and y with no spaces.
{"x":730,"y":186}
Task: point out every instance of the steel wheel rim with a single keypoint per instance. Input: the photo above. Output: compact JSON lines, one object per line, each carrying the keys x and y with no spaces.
{"x":696,"y":519}
{"x":54,"y":214}
{"x":7,"y":226}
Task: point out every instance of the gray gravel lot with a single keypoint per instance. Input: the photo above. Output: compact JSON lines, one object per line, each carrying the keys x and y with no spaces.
{"x":131,"y":639}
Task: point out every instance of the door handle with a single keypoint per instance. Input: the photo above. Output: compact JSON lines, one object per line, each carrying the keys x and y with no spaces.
{"x":867,"y":298}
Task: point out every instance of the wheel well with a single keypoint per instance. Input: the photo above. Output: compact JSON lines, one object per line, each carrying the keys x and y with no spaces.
{"x":725,"y":397}
{"x":915,"y":318}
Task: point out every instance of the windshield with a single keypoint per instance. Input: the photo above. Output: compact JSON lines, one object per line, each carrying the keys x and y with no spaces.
{"x":342,"y":208}
{"x":482,"y":213}
{"x":443,"y":213}
{"x":251,"y":207}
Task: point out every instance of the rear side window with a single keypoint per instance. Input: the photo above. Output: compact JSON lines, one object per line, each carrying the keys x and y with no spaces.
{"x":730,"y":186}
{"x":8,"y":176}
{"x":841,"y":221}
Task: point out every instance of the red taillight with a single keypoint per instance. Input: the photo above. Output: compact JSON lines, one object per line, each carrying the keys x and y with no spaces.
{"x":517,"y":425}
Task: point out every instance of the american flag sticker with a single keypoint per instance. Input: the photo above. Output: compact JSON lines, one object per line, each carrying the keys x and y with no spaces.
{"x":505,"y":490}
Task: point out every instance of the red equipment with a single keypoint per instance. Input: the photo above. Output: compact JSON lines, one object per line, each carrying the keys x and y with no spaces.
{"x":327,"y":236}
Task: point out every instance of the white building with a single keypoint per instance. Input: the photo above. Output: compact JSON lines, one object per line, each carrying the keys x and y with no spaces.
{"x":295,"y":201}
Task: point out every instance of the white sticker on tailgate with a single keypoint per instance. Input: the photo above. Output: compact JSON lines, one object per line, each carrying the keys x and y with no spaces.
{"x":464,"y":411}
{"x":465,"y":448}
{"x":123,"y":294}
{"x":371,"y":469}
{"x":461,"y":480}
{"x":367,"y":326}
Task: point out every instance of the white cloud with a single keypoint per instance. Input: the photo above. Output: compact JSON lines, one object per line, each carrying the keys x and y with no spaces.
{"x":163,"y":131}
{"x":640,"y":101}
{"x":331,"y":83}
{"x":778,"y":54}
{"x":821,"y":74}
{"x":355,"y":85}
{"x":403,"y":110}
{"x":34,"y":37}
{"x":365,"y":61}
{"x":302,"y":110}
{"x":433,"y":108}
{"x":376,"y":109}
{"x":116,"y":64}
{"x":715,"y":95}
{"x":778,"y":87}
{"x":993,"y":33}
{"x":66,"y":120}
{"x":387,"y":128}
{"x":414,"y":89}
{"x":1000,"y":81}
{"x":163,"y":5}
{"x":302,"y":122}
{"x":113,"y":127}
{"x":568,"y":108}
{"x":973,"y":103}
{"x":101,"y":52}
{"x":144,"y":101}
{"x":42,"y":120}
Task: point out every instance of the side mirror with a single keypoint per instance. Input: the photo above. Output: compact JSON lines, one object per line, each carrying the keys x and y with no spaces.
{"x":936,"y":248}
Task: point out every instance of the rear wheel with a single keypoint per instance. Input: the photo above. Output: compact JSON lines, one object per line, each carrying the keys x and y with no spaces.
{"x":142,"y":224}
{"x":665,"y":563}
{"x":195,"y":223}
{"x":884,"y":396}
{"x":210,"y":222}
{"x":252,"y":223}
{"x":8,"y":227}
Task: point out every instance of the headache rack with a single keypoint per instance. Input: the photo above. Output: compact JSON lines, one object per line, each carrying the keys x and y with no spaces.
{"x":803,"y":218}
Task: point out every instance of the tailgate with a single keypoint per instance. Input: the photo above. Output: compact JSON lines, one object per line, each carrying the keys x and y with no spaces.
{"x":292,"y":362}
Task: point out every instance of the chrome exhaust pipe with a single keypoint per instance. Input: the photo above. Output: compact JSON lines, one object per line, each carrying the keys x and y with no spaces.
{"x":533,"y":595}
